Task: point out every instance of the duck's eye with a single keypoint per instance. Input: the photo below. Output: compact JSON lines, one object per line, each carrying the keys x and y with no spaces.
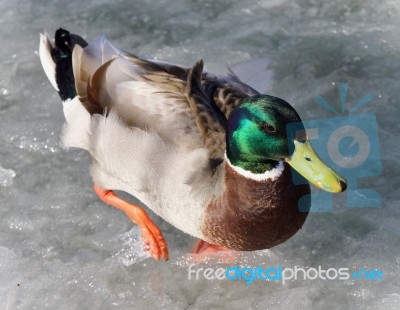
{"x":267,"y":127}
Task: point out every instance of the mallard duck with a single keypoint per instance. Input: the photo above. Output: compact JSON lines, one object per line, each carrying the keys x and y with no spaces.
{"x":208,"y":154}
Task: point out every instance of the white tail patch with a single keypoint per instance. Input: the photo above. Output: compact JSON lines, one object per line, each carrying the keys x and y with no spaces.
{"x":76,"y":132}
{"x":48,"y":64}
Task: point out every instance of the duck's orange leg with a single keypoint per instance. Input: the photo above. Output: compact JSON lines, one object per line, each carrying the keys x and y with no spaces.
{"x":203,"y":247}
{"x":151,"y":234}
{"x":208,"y":250}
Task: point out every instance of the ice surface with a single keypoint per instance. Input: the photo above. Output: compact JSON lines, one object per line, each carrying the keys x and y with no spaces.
{"x":61,"y":248}
{"x":6,"y":176}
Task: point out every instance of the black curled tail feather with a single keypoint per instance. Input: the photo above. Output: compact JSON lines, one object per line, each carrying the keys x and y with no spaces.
{"x":62,"y":57}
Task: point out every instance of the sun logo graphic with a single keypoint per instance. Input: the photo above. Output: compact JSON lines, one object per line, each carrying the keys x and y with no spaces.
{"x":348,"y":143}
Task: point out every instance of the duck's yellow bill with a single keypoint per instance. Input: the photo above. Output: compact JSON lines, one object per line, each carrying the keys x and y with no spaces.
{"x":309,"y":165}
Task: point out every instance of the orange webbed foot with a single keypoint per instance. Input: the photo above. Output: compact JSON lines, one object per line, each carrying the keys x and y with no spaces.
{"x":203,"y":247}
{"x":154,"y":241}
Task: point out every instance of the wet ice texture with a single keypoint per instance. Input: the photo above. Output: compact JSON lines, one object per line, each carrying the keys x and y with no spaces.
{"x":61,"y":248}
{"x":131,"y":251}
{"x":6,"y":176}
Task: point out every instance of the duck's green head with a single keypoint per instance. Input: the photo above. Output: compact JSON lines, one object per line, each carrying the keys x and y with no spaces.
{"x":257,"y":139}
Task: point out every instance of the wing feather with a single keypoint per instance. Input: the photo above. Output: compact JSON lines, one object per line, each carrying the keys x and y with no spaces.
{"x":185,"y":106}
{"x":209,"y":119}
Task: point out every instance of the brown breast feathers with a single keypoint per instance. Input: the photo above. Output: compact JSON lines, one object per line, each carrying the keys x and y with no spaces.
{"x":252,"y":215}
